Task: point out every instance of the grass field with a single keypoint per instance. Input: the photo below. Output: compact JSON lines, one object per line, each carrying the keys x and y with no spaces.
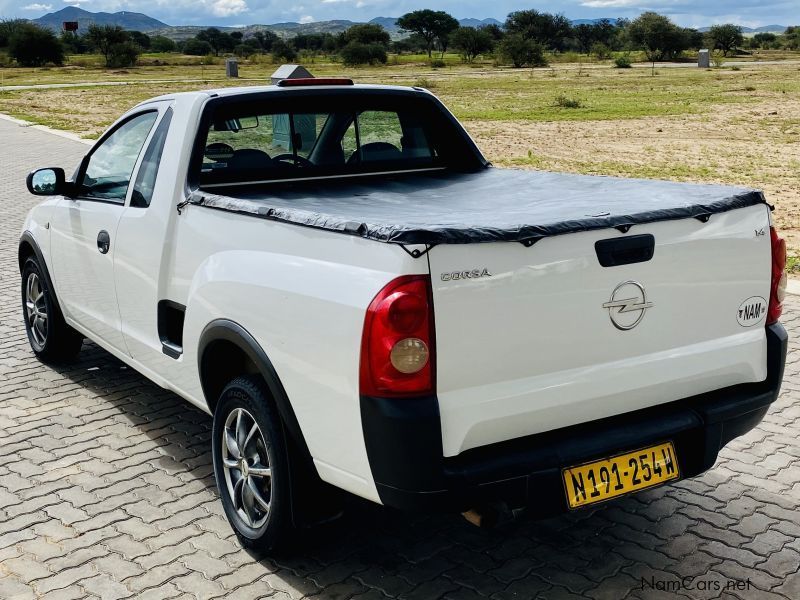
{"x":739,"y":126}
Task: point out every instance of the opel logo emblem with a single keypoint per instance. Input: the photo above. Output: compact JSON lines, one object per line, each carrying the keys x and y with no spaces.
{"x":627,"y":305}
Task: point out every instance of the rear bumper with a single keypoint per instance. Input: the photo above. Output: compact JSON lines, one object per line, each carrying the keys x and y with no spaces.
{"x":404,"y":445}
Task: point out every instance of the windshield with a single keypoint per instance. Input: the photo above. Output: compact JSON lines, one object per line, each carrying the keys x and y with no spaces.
{"x":251,"y":143}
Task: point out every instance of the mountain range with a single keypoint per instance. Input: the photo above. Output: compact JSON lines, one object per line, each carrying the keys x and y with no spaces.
{"x":141,"y":22}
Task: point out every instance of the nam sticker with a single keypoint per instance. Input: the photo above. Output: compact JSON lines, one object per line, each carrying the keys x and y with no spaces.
{"x":752,"y":311}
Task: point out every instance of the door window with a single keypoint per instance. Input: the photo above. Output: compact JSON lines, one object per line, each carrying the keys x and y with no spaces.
{"x":110,"y":167}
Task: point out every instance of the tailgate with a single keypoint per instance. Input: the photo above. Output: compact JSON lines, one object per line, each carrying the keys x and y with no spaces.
{"x":531,"y":339}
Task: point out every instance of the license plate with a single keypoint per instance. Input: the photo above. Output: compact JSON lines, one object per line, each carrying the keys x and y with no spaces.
{"x":611,"y":477}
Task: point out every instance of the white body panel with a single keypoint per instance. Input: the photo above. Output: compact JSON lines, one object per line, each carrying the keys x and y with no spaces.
{"x":526,"y":350}
{"x":531,"y":348}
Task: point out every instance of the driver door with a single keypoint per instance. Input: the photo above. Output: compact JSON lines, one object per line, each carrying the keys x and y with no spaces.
{"x":83,"y":230}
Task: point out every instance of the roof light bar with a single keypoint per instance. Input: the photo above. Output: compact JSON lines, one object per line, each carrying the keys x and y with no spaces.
{"x":307,"y":81}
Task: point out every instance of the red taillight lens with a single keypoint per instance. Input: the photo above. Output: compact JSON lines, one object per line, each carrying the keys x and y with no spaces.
{"x":778,"y":289}
{"x":397,"y":347}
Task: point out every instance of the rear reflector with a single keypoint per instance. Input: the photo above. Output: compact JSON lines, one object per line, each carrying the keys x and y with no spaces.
{"x":308,"y":81}
{"x":778,"y":284}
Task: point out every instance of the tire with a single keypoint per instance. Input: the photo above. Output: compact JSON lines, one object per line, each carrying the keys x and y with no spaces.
{"x":51,"y":339}
{"x":262,"y":521}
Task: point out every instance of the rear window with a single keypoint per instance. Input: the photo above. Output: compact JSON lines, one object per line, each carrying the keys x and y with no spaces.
{"x":254,"y":142}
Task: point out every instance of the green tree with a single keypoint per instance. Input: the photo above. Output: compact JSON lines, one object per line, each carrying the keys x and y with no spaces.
{"x":195,"y":47}
{"x":522,"y":52}
{"x":219,"y":40}
{"x":726,"y":37}
{"x":159,"y":43}
{"x":34,"y":46}
{"x":74,"y":43}
{"x":471,"y":42}
{"x":791,"y":38}
{"x":552,"y":31}
{"x":103,"y":38}
{"x":142,"y":39}
{"x":365,"y":33}
{"x":430,"y":25}
{"x":8,"y":27}
{"x":283,"y":51}
{"x":764,"y":40}
{"x":265,"y":39}
{"x":659,"y":37}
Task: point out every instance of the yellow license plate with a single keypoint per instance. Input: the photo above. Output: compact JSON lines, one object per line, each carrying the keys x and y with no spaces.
{"x":611,"y":477}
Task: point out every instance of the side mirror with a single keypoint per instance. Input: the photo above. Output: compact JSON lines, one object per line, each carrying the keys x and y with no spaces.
{"x":47,"y":182}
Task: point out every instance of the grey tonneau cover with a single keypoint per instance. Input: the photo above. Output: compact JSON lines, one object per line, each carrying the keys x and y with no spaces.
{"x":488,"y":206}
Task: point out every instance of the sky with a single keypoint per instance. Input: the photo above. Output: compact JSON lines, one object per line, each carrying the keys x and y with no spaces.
{"x":689,"y":13}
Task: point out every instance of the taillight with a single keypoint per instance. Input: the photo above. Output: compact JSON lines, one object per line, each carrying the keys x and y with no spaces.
{"x":778,"y":289}
{"x":397,"y":346}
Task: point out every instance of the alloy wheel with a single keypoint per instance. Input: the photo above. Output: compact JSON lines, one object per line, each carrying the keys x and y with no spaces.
{"x":246,"y":466}
{"x":36,"y":309}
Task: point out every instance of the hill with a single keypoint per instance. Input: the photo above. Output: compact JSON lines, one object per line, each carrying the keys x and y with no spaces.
{"x":127,"y":20}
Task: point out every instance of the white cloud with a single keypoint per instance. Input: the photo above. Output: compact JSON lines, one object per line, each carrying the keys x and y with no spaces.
{"x":38,"y":7}
{"x":307,"y":19}
{"x":228,"y":8}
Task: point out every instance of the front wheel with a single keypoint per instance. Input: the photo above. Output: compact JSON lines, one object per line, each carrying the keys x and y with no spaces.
{"x":251,"y":465}
{"x":51,"y":339}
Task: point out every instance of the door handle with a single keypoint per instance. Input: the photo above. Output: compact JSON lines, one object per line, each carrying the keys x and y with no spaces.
{"x":103,"y":242}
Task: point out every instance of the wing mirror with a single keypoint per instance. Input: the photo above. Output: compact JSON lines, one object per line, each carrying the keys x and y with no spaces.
{"x":47,"y":182}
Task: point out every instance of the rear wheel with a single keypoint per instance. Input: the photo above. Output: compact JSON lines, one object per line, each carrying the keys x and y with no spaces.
{"x":51,"y":339}
{"x":251,"y":465}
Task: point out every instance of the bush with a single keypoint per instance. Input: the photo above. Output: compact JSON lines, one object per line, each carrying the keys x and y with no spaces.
{"x":521,"y":52}
{"x":34,"y":46}
{"x":623,"y":62}
{"x":424,"y":82}
{"x":197,"y":47}
{"x":565,"y":102}
{"x":601,"y":51}
{"x":123,"y":55}
{"x":356,"y":53}
{"x":438,"y":63}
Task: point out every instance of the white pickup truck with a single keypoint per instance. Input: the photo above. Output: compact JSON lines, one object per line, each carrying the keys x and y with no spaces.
{"x":339,"y":277}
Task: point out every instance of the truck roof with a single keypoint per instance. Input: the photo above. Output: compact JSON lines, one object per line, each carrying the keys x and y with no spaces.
{"x":276,"y":89}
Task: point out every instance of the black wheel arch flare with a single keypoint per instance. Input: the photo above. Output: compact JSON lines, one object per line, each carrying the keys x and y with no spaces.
{"x":226,"y":330}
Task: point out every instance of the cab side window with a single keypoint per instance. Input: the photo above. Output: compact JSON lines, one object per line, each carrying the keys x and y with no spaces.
{"x":108,"y":173}
{"x":148,"y":170}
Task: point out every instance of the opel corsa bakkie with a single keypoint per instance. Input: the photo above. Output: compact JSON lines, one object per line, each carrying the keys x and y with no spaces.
{"x":338,"y":276}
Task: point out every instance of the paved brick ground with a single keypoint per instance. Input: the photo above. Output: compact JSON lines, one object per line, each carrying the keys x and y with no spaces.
{"x":106,"y":490}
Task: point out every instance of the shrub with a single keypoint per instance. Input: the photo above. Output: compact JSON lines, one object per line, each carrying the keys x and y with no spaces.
{"x":34,"y":46}
{"x":521,"y":52}
{"x":424,"y":82}
{"x":623,"y":62}
{"x":718,"y":59}
{"x":565,"y":102}
{"x":601,"y":51}
{"x":356,"y":53}
{"x":123,"y":55}
{"x":438,"y":63}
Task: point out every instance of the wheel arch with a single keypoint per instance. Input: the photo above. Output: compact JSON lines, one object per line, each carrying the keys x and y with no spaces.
{"x":29,"y":248}
{"x":227,"y":350}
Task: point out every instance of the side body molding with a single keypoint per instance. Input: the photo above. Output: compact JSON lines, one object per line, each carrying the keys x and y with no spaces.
{"x":229,"y":331}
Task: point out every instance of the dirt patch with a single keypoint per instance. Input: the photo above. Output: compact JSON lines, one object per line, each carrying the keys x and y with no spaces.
{"x":754,"y":145}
